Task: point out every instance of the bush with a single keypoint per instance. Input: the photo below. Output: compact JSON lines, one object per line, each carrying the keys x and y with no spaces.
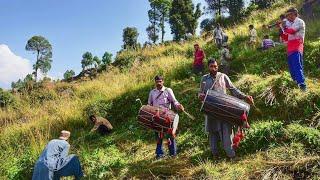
{"x":100,"y":161}
{"x":277,"y":96}
{"x":262,"y":135}
{"x":211,"y":51}
{"x":39,"y":96}
{"x":311,"y":58}
{"x":99,"y":108}
{"x":125,"y":59}
{"x":171,"y":51}
{"x":6,"y":98}
{"x":19,"y":167}
{"x":307,"y":135}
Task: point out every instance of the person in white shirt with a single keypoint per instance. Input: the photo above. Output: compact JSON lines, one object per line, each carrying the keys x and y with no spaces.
{"x":55,"y":162}
{"x":252,"y":34}
{"x":218,"y":35}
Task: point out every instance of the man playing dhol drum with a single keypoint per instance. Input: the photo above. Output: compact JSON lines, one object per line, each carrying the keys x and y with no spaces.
{"x":218,"y":128}
{"x":162,"y":96}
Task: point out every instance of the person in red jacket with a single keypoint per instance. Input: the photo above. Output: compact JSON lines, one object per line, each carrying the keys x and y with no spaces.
{"x":199,"y":56}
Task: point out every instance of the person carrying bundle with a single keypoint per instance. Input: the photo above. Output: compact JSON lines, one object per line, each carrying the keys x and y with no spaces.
{"x":219,"y":129}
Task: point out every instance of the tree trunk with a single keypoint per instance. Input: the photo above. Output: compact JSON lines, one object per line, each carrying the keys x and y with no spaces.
{"x":219,"y":6}
{"x":154,"y":24}
{"x":162,"y":27}
{"x":36,"y":69}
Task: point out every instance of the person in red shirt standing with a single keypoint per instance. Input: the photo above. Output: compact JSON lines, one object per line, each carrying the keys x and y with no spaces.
{"x":199,"y":56}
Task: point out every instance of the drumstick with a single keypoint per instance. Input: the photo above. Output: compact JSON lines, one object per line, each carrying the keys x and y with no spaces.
{"x":189,"y":115}
{"x":257,"y":109}
{"x":138,"y":99}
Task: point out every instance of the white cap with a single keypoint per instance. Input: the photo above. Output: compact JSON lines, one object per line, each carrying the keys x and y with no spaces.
{"x":64,"y":135}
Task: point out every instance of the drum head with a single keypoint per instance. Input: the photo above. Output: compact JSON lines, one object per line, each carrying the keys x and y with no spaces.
{"x":175,"y":124}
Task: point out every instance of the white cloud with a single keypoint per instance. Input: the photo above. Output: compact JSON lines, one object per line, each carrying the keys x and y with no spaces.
{"x":12,"y":67}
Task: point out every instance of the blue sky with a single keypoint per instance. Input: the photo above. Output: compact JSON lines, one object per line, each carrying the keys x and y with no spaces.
{"x":72,"y":27}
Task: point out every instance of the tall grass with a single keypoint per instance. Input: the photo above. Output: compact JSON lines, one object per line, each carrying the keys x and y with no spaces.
{"x":129,"y":151}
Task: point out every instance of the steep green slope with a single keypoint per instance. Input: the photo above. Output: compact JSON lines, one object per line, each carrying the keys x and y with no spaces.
{"x":283,"y":141}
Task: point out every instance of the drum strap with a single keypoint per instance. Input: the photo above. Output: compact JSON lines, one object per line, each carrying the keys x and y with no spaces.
{"x":160,"y":94}
{"x":216,"y":80}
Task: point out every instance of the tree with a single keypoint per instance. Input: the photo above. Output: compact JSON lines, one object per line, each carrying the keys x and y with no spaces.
{"x":6,"y":98}
{"x":262,"y":4}
{"x":130,"y":38}
{"x":216,"y":6}
{"x":68,"y":74}
{"x":17,"y":85}
{"x":235,"y":8}
{"x":96,"y":61}
{"x":192,"y":24}
{"x":152,"y":35}
{"x":87,"y":60}
{"x":106,"y":59}
{"x":183,"y":18}
{"x":28,"y":82}
{"x":206,"y":25}
{"x":152,"y":29}
{"x":43,"y":49}
{"x":158,"y":15}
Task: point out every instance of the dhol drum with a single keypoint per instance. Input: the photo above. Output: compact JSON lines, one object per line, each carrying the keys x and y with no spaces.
{"x":158,"y":119}
{"x":224,"y":107}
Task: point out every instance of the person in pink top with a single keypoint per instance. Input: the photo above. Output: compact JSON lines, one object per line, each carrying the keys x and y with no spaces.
{"x":199,"y":56}
{"x":296,"y":32}
{"x":162,"y":96}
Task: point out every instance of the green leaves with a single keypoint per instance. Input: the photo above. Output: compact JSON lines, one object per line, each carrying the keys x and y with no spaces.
{"x":262,"y":135}
{"x":68,"y":74}
{"x":107,"y":58}
{"x":307,"y":135}
{"x":130,"y":38}
{"x":152,"y":32}
{"x":6,"y":98}
{"x":183,"y":18}
{"x":100,"y":108}
{"x":43,"y":48}
{"x":87,"y":60}
{"x":158,"y":15}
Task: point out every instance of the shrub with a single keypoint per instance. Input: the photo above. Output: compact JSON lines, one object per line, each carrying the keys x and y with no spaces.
{"x":6,"y":98}
{"x":262,"y":135}
{"x":100,"y":161}
{"x":307,"y":135}
{"x":173,"y":50}
{"x":125,"y":59}
{"x":100,"y":108}
{"x":39,"y":96}
{"x":311,"y":58}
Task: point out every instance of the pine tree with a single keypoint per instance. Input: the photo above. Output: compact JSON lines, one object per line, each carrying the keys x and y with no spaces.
{"x":183,"y":18}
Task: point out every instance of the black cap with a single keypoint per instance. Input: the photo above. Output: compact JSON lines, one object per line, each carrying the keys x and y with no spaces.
{"x":211,"y":61}
{"x":293,"y":10}
{"x":158,"y":78}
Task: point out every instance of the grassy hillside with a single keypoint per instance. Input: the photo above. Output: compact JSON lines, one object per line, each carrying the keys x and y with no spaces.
{"x":283,"y":141}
